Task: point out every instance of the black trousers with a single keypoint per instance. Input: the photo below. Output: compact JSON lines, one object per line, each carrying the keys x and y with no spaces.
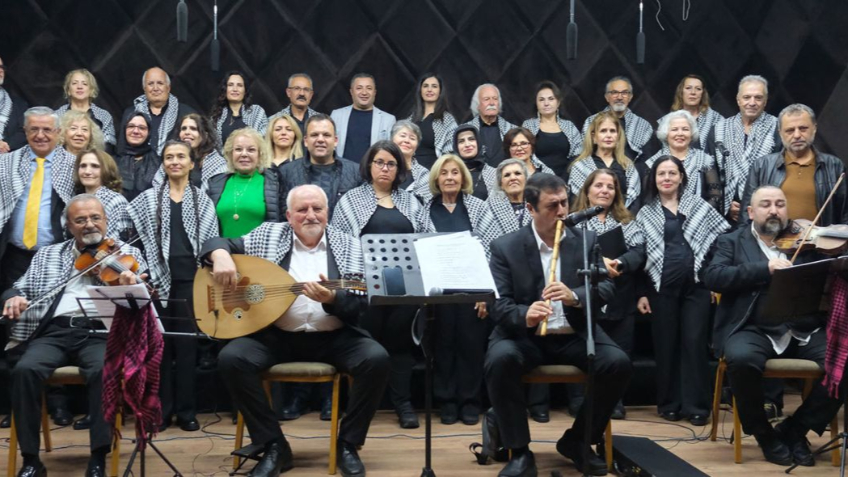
{"x":680,"y":327}
{"x":746,"y":352}
{"x":53,"y":348}
{"x":351,"y":352}
{"x":178,"y":372}
{"x":507,"y":360}
{"x":461,"y":339}
{"x":391,"y":326}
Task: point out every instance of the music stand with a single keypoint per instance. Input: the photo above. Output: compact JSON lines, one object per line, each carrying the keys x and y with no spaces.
{"x":393,"y":277}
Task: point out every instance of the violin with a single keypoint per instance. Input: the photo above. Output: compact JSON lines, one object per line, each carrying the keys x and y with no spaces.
{"x":106,"y":262}
{"x":803,"y":235}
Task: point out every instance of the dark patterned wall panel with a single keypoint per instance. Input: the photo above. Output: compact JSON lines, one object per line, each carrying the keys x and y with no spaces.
{"x":801,"y":47}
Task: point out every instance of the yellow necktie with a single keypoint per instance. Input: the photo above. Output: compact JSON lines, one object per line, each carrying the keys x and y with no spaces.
{"x":34,"y":205}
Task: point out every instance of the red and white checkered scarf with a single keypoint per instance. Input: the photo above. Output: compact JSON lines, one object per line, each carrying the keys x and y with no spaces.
{"x":837,"y":337}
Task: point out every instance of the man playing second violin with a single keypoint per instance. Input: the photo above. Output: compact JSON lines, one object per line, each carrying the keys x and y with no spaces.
{"x":741,"y":264}
{"x":52,"y":332}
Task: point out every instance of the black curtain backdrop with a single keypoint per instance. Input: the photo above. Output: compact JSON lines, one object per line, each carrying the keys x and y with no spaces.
{"x":801,"y":47}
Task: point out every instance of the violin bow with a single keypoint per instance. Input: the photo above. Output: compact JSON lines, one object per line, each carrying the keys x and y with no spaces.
{"x":818,"y":216}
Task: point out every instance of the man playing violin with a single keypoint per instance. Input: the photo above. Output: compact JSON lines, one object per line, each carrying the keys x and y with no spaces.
{"x":520,"y":264}
{"x":322,"y":325}
{"x":49,"y":330}
{"x":741,"y":264}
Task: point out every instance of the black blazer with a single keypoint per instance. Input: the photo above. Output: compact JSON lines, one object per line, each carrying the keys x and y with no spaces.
{"x":57,"y":208}
{"x":517,"y":269}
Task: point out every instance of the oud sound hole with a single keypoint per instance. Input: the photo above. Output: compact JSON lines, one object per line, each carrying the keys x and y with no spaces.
{"x":238,"y":314}
{"x":254,"y":294}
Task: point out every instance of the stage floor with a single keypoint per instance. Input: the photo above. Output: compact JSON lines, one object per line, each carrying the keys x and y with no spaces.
{"x":391,"y":451}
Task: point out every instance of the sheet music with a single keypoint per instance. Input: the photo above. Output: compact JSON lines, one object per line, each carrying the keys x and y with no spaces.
{"x":107,"y":308}
{"x":454,"y":261}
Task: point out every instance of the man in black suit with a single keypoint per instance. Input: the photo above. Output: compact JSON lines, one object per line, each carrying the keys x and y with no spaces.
{"x":520,"y":263}
{"x":741,"y":264}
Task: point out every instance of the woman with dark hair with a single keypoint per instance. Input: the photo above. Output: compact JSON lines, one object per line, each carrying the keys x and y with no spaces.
{"x":174,"y":219}
{"x":234,"y":108}
{"x":430,"y":113}
{"x":507,"y":199}
{"x":139,"y":163}
{"x":80,"y":90}
{"x":519,"y":143}
{"x":381,"y":206}
{"x":618,"y":320}
{"x":96,"y":173}
{"x":603,"y":148}
{"x":679,"y":230}
{"x":692,"y":96}
{"x":466,"y":144}
{"x":196,"y":131}
{"x":558,"y":141}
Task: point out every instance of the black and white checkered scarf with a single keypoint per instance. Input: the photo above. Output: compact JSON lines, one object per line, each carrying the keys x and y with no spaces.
{"x":420,"y":186}
{"x":355,"y":208}
{"x":633,"y":236}
{"x":735,"y":158}
{"x":637,"y":131}
{"x":273,"y":241}
{"x":108,"y":124}
{"x":706,"y":121}
{"x":253,"y":117}
{"x":696,"y":163}
{"x":213,"y":164}
{"x":503,"y":126}
{"x":505,"y":215}
{"x":580,"y":170}
{"x":483,"y":223}
{"x":575,"y":139}
{"x":16,"y":175}
{"x":168,"y":121}
{"x":700,"y":228}
{"x":51,"y":266}
{"x":151,"y":215}
{"x":115,"y":205}
{"x":443,"y":133}
{"x":5,"y":110}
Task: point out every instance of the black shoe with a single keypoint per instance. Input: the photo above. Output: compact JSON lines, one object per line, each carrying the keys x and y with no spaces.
{"x":406,"y":416}
{"x":33,"y":470}
{"x":62,"y":417}
{"x":327,"y":409}
{"x":698,"y":419}
{"x":276,"y":460}
{"x":620,"y":412}
{"x":189,"y":425}
{"x":773,"y":411}
{"x":774,"y":450}
{"x":541,"y":415}
{"x":797,"y":443}
{"x":448,"y":413}
{"x":573,"y":449}
{"x":672,"y":416}
{"x":470,"y":415}
{"x":95,"y":468}
{"x":83,"y":424}
{"x":348,"y":461}
{"x":6,"y":422}
{"x":166,"y":423}
{"x":297,"y":408}
{"x":521,"y":465}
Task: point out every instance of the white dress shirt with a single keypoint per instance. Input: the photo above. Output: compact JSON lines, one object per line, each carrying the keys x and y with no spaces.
{"x":68,"y":305}
{"x":557,"y":323}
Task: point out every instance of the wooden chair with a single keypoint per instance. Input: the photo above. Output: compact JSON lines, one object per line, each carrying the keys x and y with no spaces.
{"x":559,"y":373}
{"x":65,"y":375}
{"x":302,"y":372}
{"x":804,"y":369}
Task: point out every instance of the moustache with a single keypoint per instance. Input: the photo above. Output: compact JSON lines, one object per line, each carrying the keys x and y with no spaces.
{"x":301,"y":97}
{"x":491,"y":108}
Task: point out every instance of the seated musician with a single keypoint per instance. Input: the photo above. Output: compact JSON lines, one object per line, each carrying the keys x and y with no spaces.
{"x":741,"y":264}
{"x":51,"y":333}
{"x":320,"y":326}
{"x":520,"y":265}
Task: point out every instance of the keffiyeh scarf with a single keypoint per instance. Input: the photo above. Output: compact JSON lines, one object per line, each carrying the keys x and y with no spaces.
{"x":706,"y":120}
{"x":735,"y":154}
{"x":505,"y":215}
{"x":101,"y":115}
{"x":168,"y":121}
{"x":633,"y":236}
{"x":580,"y":171}
{"x":575,"y":139}
{"x":213,"y":164}
{"x":115,"y":205}
{"x":273,"y":241}
{"x":5,"y":110}
{"x":637,"y":131}
{"x":420,"y":186}
{"x":355,"y":208}
{"x":17,"y":174}
{"x":696,"y":163}
{"x":253,"y":117}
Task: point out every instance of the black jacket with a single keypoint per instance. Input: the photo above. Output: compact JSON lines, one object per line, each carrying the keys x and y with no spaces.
{"x":517,"y":269}
{"x":14,"y":133}
{"x":771,"y":170}
{"x":298,"y":172}
{"x":274,"y":209}
{"x":153,"y":138}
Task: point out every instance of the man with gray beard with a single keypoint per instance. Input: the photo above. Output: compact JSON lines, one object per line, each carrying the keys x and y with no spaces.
{"x":12,"y":109}
{"x":637,"y":131}
{"x":741,"y":264}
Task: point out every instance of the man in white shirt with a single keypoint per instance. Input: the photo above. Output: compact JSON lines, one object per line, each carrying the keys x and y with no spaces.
{"x":321,"y":325}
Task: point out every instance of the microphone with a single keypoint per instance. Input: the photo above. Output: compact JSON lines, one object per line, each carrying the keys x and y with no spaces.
{"x":215,"y":47}
{"x":182,"y":21}
{"x":583,"y":215}
{"x":640,"y":39}
{"x":571,"y":37}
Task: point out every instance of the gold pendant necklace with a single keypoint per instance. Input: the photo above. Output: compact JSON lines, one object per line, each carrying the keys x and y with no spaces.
{"x":237,"y":197}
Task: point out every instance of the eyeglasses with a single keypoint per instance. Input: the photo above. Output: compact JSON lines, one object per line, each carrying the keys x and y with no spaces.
{"x":34,"y":131}
{"x":520,"y":145}
{"x":130,"y":127}
{"x":299,"y":89}
{"x":81,"y":221}
{"x":619,"y":93}
{"x":381,"y":164}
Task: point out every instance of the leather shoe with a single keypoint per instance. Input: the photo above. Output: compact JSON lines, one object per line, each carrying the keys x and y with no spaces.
{"x":797,"y":443}
{"x":573,"y":449}
{"x":95,"y":469}
{"x":470,"y":414}
{"x":277,"y":459}
{"x":33,"y":470}
{"x":83,"y":423}
{"x":540,"y":415}
{"x":189,"y":425}
{"x":62,"y":417}
{"x":448,"y":413}
{"x":297,"y":408}
{"x":619,"y":412}
{"x":406,"y":416}
{"x":348,"y":461}
{"x":521,"y":465}
{"x":672,"y":416}
{"x":6,"y":422}
{"x":774,"y":450}
{"x":698,"y":420}
{"x":327,"y":409}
